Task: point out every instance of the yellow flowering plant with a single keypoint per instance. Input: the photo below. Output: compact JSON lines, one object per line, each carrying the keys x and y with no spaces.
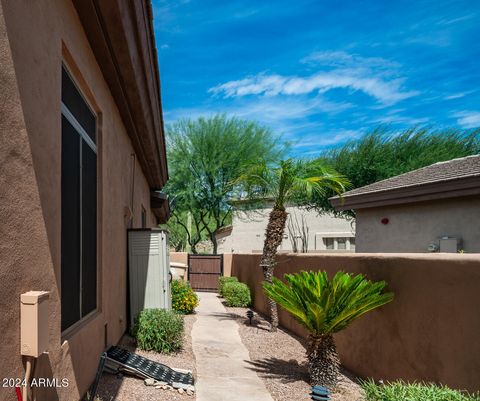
{"x":184,"y":299}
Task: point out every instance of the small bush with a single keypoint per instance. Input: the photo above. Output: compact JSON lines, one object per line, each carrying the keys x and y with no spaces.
{"x":158,"y":330}
{"x":224,"y":280}
{"x":237,"y":294}
{"x":401,"y":391}
{"x":184,"y":299}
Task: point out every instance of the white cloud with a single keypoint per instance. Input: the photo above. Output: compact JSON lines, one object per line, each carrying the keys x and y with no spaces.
{"x":468,"y":119}
{"x":398,"y":119}
{"x":459,"y":94}
{"x":276,"y":112}
{"x":455,"y":20}
{"x":332,"y":138}
{"x":387,"y":92}
{"x":344,"y":59}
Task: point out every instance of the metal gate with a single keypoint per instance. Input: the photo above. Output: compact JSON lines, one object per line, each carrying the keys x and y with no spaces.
{"x":204,"y":271}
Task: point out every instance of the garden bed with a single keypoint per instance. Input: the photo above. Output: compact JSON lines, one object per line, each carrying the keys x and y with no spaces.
{"x":279,"y":360}
{"x":130,"y":388}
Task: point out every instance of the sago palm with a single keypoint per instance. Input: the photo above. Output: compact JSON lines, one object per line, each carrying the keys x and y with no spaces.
{"x":325,"y":307}
{"x":295,"y":182}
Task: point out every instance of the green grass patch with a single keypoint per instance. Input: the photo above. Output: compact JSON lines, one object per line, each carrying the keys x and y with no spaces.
{"x":401,"y":391}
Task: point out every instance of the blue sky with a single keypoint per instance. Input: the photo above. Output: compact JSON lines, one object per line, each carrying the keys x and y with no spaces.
{"x":321,"y":72}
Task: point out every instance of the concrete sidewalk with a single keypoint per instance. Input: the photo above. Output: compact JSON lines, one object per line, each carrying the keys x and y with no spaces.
{"x":222,"y":371}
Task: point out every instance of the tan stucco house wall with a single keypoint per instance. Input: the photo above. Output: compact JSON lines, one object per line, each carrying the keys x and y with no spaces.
{"x":414,"y":227}
{"x":36,"y":38}
{"x":432,"y":209}
{"x":247,"y":233}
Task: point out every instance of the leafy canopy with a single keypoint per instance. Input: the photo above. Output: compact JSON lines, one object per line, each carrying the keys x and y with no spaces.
{"x":206,"y":157}
{"x":326,"y":306}
{"x":293,"y":181}
{"x":384,"y":153}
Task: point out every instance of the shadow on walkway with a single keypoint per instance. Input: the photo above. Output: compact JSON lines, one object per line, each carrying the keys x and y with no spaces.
{"x":286,"y":371}
{"x":256,"y":323}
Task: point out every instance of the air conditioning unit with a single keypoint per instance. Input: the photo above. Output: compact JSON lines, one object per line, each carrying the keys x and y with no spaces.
{"x":449,"y":244}
{"x":148,"y":270}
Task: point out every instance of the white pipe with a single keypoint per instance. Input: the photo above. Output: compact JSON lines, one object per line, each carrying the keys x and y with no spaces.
{"x":30,"y":366}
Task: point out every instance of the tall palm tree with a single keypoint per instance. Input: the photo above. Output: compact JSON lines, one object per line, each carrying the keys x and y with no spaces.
{"x":325,"y":307}
{"x":293,"y":181}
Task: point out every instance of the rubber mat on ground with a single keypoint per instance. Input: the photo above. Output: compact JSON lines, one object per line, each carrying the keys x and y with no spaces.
{"x":146,"y":368}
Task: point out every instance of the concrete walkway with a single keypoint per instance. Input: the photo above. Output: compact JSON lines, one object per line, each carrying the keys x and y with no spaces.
{"x":222,"y":371}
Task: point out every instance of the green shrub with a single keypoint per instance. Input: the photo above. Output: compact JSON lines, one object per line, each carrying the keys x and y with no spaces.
{"x":237,"y":294}
{"x":401,"y":391}
{"x":184,"y":299}
{"x":224,"y":280}
{"x":158,"y":330}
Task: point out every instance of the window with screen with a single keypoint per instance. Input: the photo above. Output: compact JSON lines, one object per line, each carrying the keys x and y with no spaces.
{"x":79,"y":205}
{"x":329,"y":243}
{"x":339,"y":243}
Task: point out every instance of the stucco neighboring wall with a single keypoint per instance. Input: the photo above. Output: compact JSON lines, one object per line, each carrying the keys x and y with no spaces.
{"x":411,"y":228}
{"x":248,"y":230}
{"x":180,"y":257}
{"x":429,"y":332}
{"x":35,"y":37}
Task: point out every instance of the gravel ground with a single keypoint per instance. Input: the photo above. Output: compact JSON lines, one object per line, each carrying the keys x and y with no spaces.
{"x":129,"y":388}
{"x":279,"y":360}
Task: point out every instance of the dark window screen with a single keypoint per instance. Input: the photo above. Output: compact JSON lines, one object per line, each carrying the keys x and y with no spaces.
{"x":75,"y":103}
{"x":79,"y":208}
{"x":89,"y":230}
{"x":70,"y":224}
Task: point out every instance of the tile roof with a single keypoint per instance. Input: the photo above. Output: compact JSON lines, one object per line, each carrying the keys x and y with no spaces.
{"x":439,"y":172}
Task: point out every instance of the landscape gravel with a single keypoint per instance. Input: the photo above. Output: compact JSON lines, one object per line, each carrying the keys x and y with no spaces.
{"x":279,"y":360}
{"x":130,"y":388}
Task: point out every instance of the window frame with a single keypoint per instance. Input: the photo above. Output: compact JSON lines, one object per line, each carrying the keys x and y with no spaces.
{"x":65,"y":112}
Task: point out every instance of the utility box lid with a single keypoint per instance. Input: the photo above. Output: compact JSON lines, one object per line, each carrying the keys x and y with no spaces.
{"x":33,"y":297}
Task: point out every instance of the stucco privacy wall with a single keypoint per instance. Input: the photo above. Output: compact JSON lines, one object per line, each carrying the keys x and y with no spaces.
{"x":182,"y":257}
{"x":35,"y":37}
{"x":429,"y":332}
{"x":450,"y":217}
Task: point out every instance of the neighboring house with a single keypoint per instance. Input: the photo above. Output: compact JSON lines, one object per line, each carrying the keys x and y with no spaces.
{"x":309,"y":230}
{"x":432,"y":209}
{"x":82,"y":156}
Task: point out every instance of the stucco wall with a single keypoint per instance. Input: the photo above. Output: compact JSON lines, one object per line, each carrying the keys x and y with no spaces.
{"x":182,"y":257}
{"x":411,"y":228}
{"x":429,"y":332}
{"x":35,"y":37}
{"x":248,"y":232}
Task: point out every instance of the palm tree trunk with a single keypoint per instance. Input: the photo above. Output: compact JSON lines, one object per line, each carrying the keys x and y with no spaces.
{"x":323,"y":361}
{"x":273,"y":239}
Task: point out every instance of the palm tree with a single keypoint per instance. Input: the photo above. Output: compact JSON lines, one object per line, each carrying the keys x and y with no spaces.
{"x":293,"y":181}
{"x":325,"y":307}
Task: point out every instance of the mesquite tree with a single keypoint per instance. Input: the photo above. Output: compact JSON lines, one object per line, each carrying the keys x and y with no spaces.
{"x":206,"y":158}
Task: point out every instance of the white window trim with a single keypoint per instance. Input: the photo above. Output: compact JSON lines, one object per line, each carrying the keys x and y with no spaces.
{"x":72,"y":120}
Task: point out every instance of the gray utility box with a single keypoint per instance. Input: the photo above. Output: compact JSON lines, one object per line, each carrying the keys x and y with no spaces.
{"x":449,"y":244}
{"x":148,"y":270}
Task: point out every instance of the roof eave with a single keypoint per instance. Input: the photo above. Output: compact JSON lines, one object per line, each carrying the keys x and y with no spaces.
{"x":461,"y":187}
{"x":121,"y":37}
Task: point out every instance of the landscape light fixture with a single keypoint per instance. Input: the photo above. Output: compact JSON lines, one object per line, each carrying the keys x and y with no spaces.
{"x":320,"y":393}
{"x":250,"y":316}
